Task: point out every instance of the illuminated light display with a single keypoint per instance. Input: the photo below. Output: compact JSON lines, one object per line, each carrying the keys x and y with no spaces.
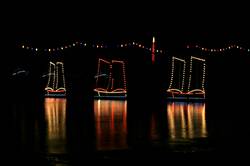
{"x":153,"y":50}
{"x":180,"y":89}
{"x":56,"y":81}
{"x":229,"y":47}
{"x":180,"y":92}
{"x":84,"y":44}
{"x":107,"y":85}
{"x":197,"y":91}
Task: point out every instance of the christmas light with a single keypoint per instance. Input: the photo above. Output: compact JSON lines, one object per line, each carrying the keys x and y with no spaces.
{"x":172,"y":75}
{"x":203,"y":75}
{"x":153,"y":50}
{"x":110,"y":90}
{"x":93,"y":45}
{"x":180,"y":90}
{"x":229,"y":47}
{"x":55,"y":90}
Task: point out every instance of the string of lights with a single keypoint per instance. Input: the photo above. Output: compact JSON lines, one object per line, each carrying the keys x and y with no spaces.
{"x":110,"y":90}
{"x":54,"y":71}
{"x":172,"y":72}
{"x":222,"y":49}
{"x":203,"y":72}
{"x":134,"y":44}
{"x":81,"y":44}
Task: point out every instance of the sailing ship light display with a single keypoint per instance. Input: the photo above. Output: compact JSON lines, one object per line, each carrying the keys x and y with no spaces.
{"x":111,"y":79}
{"x":196,"y":79}
{"x":56,"y":80}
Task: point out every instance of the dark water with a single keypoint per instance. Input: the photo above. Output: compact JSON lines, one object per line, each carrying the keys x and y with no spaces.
{"x":55,"y":118}
{"x":186,"y":120}
{"x":186,"y":126}
{"x":111,"y":124}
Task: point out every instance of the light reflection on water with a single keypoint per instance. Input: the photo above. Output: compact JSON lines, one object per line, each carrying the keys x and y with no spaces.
{"x":186,"y":120}
{"x":111,"y":124}
{"x":183,"y":121}
{"x":55,"y":118}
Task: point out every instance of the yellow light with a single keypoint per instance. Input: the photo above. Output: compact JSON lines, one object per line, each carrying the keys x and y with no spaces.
{"x":153,"y":39}
{"x":23,"y":46}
